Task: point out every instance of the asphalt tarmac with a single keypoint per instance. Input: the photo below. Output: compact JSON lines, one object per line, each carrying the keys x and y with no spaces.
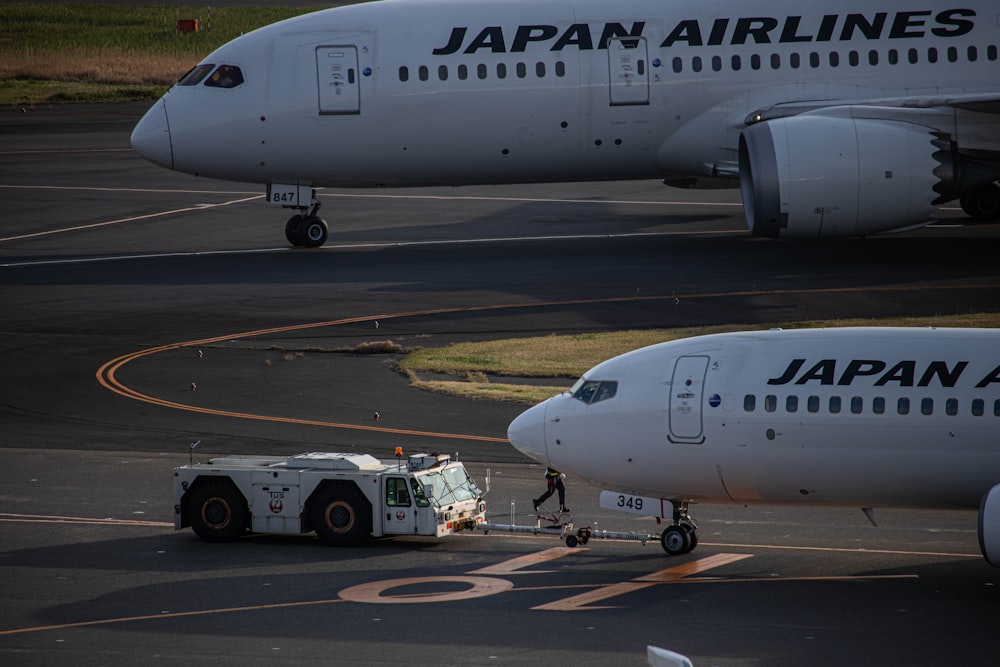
{"x":142,"y":311}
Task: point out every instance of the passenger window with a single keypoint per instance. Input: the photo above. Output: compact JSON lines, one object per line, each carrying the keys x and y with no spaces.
{"x":992,"y":52}
{"x":903,"y":406}
{"x":913,"y":56}
{"x":749,"y":403}
{"x":973,"y":54}
{"x":521,"y":70}
{"x":755,"y":61}
{"x":893,"y":57}
{"x":978,"y":407}
{"x":814,"y":59}
{"x":834,"y":59}
{"x":932,"y":55}
{"x":853,"y":58}
{"x":770,"y":403}
{"x":423,"y":73}
{"x":873,"y":57}
{"x":996,"y":408}
{"x":560,"y":68}
{"x":481,"y":71}
{"x":878,"y":405}
{"x":696,"y":63}
{"x":404,"y":73}
{"x":952,"y":54}
{"x":834,"y":405}
{"x":775,"y":61}
{"x":540,"y":70}
{"x":794,"y":60}
{"x":227,"y":76}
{"x":716,"y":64}
{"x":195,"y":75}
{"x":736,"y":63}
{"x":812,"y":404}
{"x":792,"y":404}
{"x":678,"y":65}
{"x":951,"y":407}
{"x":501,"y":71}
{"x":927,"y":406}
{"x":396,"y":492}
{"x":857,"y":405}
{"x":443,"y":72}
{"x":463,"y":72}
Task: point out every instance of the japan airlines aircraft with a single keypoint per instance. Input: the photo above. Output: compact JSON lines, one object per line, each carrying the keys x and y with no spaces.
{"x":862,"y":417}
{"x":837,"y":118}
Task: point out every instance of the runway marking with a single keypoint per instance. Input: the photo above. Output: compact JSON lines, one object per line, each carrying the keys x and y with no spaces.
{"x":135,"y":218}
{"x":479,"y":586}
{"x":7,"y":517}
{"x":585,"y":601}
{"x":530,"y":200}
{"x":371,"y":593}
{"x":514,"y":564}
{"x":107,"y":373}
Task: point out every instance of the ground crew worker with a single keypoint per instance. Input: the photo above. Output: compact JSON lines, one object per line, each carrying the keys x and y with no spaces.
{"x":554,"y":479}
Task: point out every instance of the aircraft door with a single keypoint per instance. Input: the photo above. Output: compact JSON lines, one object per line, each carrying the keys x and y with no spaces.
{"x":686,"y":389}
{"x":629,"y":70}
{"x":339,"y":80}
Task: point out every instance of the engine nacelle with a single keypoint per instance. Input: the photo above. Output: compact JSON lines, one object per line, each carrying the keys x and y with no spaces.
{"x":828,"y":174}
{"x":989,"y":526}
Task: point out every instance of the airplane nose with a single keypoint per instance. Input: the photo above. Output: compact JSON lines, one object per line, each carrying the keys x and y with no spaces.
{"x":527,"y":433}
{"x":151,"y":136}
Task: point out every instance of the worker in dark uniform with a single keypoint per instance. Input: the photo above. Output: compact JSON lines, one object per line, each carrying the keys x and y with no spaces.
{"x":554,"y":479}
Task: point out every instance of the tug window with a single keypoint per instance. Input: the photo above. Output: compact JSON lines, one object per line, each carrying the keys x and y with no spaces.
{"x":195,"y":75}
{"x":227,"y":76}
{"x":396,"y":492}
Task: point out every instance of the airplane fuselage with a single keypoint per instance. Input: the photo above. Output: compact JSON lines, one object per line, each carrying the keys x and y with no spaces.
{"x":858,"y":417}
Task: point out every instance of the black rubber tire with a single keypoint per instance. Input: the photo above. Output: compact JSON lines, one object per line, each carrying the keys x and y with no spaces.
{"x":217,"y":511}
{"x":571,"y":541}
{"x":982,"y":203}
{"x":313,"y":231}
{"x":341,"y":516}
{"x":676,"y":541}
{"x":292,"y":230}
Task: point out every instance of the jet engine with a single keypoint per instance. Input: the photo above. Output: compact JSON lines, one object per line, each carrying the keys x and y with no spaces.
{"x":830,"y":173}
{"x":989,"y":526}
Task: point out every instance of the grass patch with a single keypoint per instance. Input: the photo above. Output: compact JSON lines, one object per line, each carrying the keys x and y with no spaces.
{"x":71,"y":52}
{"x":569,"y":356}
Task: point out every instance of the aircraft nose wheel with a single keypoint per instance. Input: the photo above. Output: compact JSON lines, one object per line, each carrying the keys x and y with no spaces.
{"x":680,"y":539}
{"x":310,"y":231}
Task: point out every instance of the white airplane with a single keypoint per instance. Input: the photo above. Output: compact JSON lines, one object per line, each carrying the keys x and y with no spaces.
{"x":837,"y":118}
{"x":864,"y":417}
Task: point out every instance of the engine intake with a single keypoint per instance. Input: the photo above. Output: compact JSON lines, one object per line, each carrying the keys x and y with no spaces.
{"x":830,"y":174}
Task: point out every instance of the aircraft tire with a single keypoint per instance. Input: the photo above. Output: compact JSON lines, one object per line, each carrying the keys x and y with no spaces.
{"x":292,"y":230}
{"x":676,"y":541}
{"x":982,"y":203}
{"x":217,"y":511}
{"x":313,"y":231}
{"x":341,"y":516}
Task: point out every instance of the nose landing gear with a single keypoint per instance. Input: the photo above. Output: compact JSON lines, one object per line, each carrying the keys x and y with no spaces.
{"x":307,"y":229}
{"x":682,"y":536}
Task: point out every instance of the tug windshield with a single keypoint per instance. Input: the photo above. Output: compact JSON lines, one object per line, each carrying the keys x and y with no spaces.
{"x":449,"y":485}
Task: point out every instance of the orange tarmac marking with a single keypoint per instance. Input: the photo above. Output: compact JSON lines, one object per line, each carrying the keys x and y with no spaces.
{"x":511,"y":566}
{"x":372,"y":592}
{"x":584,"y":601}
{"x":106,"y":373}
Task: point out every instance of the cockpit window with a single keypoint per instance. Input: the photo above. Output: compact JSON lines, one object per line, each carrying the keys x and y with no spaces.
{"x":594,"y":391}
{"x":195,"y":75}
{"x":227,"y":76}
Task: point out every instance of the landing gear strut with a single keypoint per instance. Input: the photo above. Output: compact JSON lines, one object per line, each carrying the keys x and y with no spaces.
{"x":682,"y":536}
{"x":306,"y":228}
